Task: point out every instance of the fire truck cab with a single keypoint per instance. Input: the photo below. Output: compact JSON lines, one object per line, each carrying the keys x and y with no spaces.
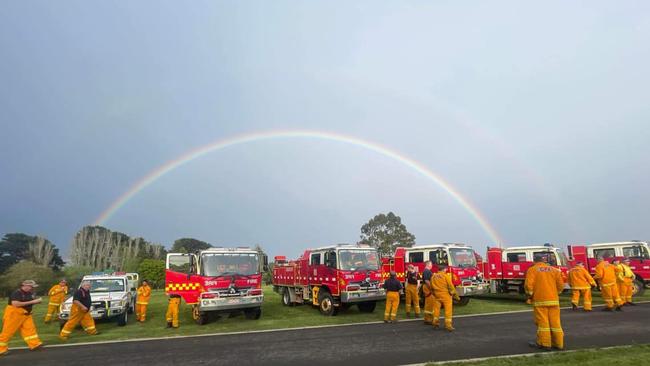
{"x":332,"y":278}
{"x":461,"y":259}
{"x":638,"y":252}
{"x":217,"y":280}
{"x":505,"y":269}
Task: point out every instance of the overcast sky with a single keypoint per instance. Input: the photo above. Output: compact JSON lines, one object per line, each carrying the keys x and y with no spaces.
{"x":539,"y":115}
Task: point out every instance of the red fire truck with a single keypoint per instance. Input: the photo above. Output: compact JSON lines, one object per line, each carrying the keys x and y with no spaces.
{"x":505,"y":268}
{"x":217,"y":280}
{"x":461,"y":259}
{"x":331,"y":278}
{"x":637,"y":251}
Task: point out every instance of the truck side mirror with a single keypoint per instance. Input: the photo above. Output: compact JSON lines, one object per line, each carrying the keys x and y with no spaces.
{"x":265,"y":261}
{"x":133,"y":289}
{"x":191,"y":268}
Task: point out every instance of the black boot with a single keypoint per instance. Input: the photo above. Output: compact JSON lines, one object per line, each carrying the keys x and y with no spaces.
{"x":574,"y":307}
{"x":607,"y":309}
{"x":169,"y":324}
{"x":618,"y":308}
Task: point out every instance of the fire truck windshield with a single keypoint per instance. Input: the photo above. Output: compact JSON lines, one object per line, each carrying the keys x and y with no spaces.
{"x":355,"y":260}
{"x":224,"y":264}
{"x":462,"y":257}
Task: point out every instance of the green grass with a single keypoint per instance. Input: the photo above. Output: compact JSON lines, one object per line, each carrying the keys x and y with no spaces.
{"x":624,"y":355}
{"x":274,"y":316}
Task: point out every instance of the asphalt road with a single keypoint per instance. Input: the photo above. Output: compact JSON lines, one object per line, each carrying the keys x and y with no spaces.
{"x":369,"y":344}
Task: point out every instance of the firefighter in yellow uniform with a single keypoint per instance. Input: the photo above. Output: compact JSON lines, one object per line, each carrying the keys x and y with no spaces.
{"x":172,"y":311}
{"x":411,"y":291}
{"x":57,"y":295}
{"x":581,"y":283}
{"x":427,"y":293}
{"x":18,"y":316}
{"x":142,"y":301}
{"x":80,"y":313}
{"x":543,"y":285}
{"x":606,"y":277}
{"x":444,"y":294}
{"x":393,"y":288}
{"x":625,"y":281}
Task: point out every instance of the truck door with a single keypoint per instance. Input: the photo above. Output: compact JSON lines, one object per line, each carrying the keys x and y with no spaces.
{"x":515,"y":265}
{"x":181,"y":276}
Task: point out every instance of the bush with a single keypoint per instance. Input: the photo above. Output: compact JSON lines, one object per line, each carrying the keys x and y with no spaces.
{"x":153,"y":270}
{"x":27,"y":270}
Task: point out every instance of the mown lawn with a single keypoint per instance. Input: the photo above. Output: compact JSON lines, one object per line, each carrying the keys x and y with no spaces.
{"x":274,"y":316}
{"x":625,"y":355}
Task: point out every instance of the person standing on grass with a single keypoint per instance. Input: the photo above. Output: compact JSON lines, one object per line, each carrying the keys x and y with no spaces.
{"x":172,"y":311}
{"x":625,"y":282}
{"x":80,"y":313}
{"x":18,"y":316}
{"x":543,"y":285}
{"x":57,"y":295}
{"x":142,"y":301}
{"x":393,"y":287}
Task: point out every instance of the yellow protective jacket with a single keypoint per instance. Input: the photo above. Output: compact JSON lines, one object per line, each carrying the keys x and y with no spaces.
{"x":144,"y":293}
{"x":605,"y":274}
{"x":441,"y":284}
{"x":624,"y":274}
{"x":580,"y":279}
{"x":543,"y":284}
{"x":57,"y":294}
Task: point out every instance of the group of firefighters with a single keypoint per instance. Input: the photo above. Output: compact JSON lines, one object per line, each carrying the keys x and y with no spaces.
{"x":18,"y":312}
{"x":543,"y":285}
{"x":437,"y":289}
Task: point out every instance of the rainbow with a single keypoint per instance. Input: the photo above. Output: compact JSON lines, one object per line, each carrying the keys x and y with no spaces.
{"x":160,"y":171}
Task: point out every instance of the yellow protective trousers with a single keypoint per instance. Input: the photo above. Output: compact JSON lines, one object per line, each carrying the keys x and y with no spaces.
{"x":549,"y":327}
{"x":586,"y":297}
{"x":15,"y":319}
{"x":172,"y":311}
{"x":141,"y":311}
{"x":412,"y":298}
{"x":392,"y":302}
{"x":52,"y":311}
{"x":610,"y":295}
{"x":77,"y":316}
{"x":428,"y":303}
{"x":442,"y":300}
{"x":625,"y":290}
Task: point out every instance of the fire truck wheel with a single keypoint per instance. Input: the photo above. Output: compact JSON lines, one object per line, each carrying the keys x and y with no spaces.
{"x":637,"y":288}
{"x":286,"y":297}
{"x":253,"y":314}
{"x":326,"y":304}
{"x":123,"y":319}
{"x":464,"y":300}
{"x":367,"y":307}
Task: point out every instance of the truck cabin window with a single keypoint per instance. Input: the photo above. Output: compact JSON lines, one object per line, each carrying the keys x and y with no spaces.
{"x":637,"y":252}
{"x":315,"y":259}
{"x":357,"y":260}
{"x":549,"y":256}
{"x":330,"y":259}
{"x":438,"y":257}
{"x":416,"y":257}
{"x":228,"y":264}
{"x":605,"y":253}
{"x":179,"y":263}
{"x":516,"y":257}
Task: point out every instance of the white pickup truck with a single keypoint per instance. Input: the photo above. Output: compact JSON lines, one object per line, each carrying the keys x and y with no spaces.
{"x":112,"y":296}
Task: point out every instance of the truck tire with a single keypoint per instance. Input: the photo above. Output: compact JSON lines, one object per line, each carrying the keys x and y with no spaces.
{"x":123,"y":318}
{"x":637,"y":287}
{"x":326,"y":303}
{"x":464,"y":300}
{"x":286,"y":297}
{"x":253,"y":313}
{"x":200,"y":317}
{"x":367,"y":306}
